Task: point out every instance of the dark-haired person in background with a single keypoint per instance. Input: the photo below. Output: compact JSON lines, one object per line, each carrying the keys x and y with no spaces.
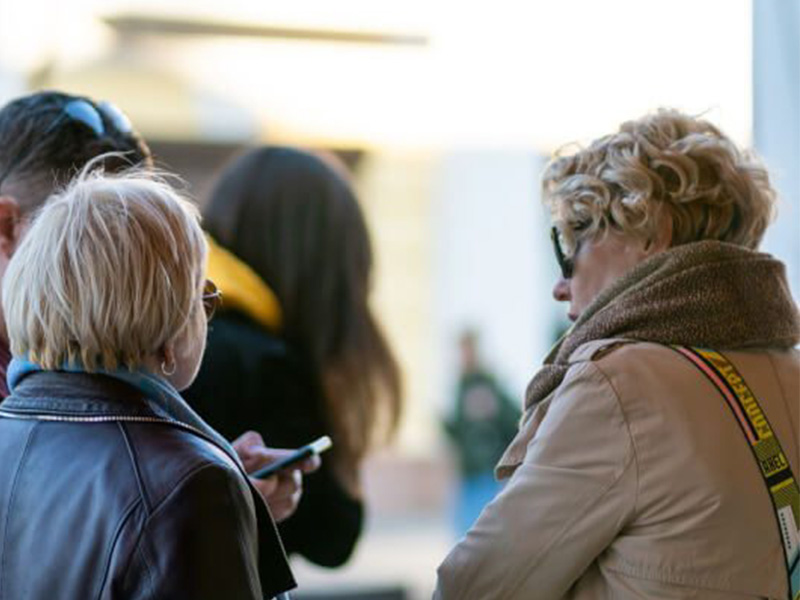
{"x":296,"y":352}
{"x":46,"y":138}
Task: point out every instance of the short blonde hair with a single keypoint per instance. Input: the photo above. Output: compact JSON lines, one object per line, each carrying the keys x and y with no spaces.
{"x":664,"y":165}
{"x":110,"y":270}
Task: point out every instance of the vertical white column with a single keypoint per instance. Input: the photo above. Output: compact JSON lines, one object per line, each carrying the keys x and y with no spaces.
{"x":395,"y":190}
{"x":776,"y":120}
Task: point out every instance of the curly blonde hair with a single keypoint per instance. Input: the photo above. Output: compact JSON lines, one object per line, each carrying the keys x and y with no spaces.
{"x":664,"y":165}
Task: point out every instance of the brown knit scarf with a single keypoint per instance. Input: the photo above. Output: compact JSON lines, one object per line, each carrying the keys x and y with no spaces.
{"x":709,"y":294}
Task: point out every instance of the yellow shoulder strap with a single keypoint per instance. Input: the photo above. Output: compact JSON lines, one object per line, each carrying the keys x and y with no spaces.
{"x":766,"y":449}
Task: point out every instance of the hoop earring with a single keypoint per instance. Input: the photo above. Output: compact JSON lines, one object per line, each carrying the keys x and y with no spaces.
{"x":167,"y":371}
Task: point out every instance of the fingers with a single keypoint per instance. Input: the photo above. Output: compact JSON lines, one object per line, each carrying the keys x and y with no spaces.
{"x":266,"y":487}
{"x":249,"y":447}
{"x":286,"y":495}
{"x":247,"y":440}
{"x":282,"y":491}
{"x":245,"y":445}
{"x":311,"y":464}
{"x":254,"y":457}
{"x":255,"y":454}
{"x":290,"y":485}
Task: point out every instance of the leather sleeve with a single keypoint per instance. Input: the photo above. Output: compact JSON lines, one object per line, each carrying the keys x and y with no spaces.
{"x":200,"y":542}
{"x":572,"y":494}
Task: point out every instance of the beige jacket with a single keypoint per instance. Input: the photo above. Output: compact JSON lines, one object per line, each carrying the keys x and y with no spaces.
{"x":638,"y":483}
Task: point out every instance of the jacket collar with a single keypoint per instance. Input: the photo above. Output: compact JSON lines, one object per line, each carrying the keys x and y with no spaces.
{"x":160,"y":396}
{"x":59,"y":393}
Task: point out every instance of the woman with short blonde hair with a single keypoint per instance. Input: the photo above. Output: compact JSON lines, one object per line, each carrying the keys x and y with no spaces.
{"x":658,"y":453}
{"x":109,"y":275}
{"x":130,"y":494}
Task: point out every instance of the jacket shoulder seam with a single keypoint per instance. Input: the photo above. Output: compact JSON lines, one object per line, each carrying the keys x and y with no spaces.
{"x":126,"y":514}
{"x":135,"y":466}
{"x":141,"y":551}
{"x":631,"y":437}
{"x":604,"y":347}
{"x":139,"y":547}
{"x":182,"y":481}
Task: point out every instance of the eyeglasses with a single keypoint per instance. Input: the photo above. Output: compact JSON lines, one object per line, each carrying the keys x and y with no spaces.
{"x":76,"y":111}
{"x":212,"y":299}
{"x":565,"y":263}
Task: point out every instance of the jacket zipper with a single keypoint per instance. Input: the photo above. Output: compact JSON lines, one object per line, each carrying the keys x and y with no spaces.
{"x":104,"y":419}
{"x":131,"y":419}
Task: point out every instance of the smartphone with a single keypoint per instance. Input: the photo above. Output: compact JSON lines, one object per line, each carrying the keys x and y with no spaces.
{"x":318,"y":446}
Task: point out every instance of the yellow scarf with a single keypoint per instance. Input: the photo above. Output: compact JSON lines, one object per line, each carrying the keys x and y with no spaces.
{"x":242,"y":289}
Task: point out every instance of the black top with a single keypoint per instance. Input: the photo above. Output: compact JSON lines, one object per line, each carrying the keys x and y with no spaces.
{"x":250,"y":379}
{"x":102,"y":498}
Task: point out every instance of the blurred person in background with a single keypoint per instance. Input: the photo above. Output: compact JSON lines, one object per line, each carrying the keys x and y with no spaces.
{"x":296,"y":352}
{"x":483,"y":423}
{"x":110,"y":485}
{"x":658,"y":452}
{"x":45,"y":139}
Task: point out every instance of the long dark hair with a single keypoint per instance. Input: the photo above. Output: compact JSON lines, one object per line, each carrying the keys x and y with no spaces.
{"x":52,"y":157}
{"x":293,"y":217}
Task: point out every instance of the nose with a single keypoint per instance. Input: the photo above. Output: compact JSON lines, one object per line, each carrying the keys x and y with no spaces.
{"x":561,"y":290}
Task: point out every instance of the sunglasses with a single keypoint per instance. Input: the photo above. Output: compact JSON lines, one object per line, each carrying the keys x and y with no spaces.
{"x":81,"y":112}
{"x":212,"y":299}
{"x":565,"y":263}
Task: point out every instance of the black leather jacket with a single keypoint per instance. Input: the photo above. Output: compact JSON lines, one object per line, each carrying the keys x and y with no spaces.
{"x":100,"y":498}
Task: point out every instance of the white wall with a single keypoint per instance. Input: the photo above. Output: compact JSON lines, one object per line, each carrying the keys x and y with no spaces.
{"x":492,"y":265}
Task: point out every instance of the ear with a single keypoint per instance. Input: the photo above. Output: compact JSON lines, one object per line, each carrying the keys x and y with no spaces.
{"x":10,"y":225}
{"x":167,"y":353}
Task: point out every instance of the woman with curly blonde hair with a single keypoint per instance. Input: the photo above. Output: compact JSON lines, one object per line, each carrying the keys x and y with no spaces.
{"x":658,"y":452}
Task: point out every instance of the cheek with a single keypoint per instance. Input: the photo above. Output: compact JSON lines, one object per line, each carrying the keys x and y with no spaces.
{"x":595,"y":273}
{"x":194,"y":338}
{"x":200,"y":332}
{"x":585,"y":286}
{"x":190,"y":352}
{"x":601,"y":267}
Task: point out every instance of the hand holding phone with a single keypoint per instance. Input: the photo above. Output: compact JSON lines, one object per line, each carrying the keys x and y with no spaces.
{"x":316,"y":447}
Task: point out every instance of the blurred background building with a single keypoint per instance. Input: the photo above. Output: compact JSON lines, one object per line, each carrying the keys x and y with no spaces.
{"x":446,"y":112}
